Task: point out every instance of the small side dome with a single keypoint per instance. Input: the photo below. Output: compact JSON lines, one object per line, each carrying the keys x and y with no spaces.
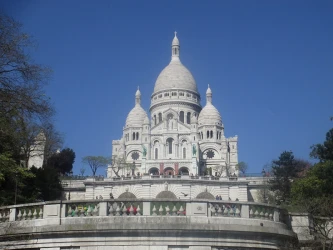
{"x":137,"y":115}
{"x":209,"y":115}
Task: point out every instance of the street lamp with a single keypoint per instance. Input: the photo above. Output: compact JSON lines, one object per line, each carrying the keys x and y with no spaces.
{"x":70,"y":182}
{"x":263,"y":172}
{"x":15,"y":188}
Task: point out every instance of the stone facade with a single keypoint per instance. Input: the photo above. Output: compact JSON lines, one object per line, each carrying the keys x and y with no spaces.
{"x":181,"y":137}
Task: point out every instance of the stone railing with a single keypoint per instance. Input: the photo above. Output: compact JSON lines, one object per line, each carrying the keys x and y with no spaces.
{"x":54,"y":211}
{"x":183,"y":177}
{"x":4,"y":214}
{"x":29,"y":212}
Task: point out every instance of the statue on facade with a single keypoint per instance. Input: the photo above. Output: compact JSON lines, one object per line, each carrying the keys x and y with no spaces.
{"x":194,"y":150}
{"x":144,"y":151}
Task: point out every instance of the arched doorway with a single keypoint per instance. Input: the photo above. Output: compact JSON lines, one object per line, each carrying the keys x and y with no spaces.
{"x":183,"y":171}
{"x":153,"y":171}
{"x":169,"y":171}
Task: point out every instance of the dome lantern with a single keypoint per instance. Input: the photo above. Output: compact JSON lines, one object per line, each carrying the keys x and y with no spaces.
{"x":209,"y":95}
{"x":138,"y":97}
{"x":175,"y":48}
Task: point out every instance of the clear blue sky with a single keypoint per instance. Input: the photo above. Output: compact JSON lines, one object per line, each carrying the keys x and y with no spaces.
{"x":269,"y":64}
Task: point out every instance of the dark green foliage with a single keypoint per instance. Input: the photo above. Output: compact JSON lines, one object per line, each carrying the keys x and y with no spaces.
{"x":324,"y":152}
{"x":62,"y":161}
{"x":284,"y":171}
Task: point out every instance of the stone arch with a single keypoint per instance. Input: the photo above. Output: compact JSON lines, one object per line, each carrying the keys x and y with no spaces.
{"x":127,"y":195}
{"x":166,"y":195}
{"x":184,"y":171}
{"x":169,"y":171}
{"x":154,"y":171}
{"x":206,"y":196}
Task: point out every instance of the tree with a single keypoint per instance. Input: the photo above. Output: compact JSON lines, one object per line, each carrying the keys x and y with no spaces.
{"x":119,"y":163}
{"x":313,"y":195}
{"x":96,"y":162}
{"x":62,"y":161}
{"x":324,"y":151}
{"x":21,"y":79}
{"x":25,"y":114}
{"x":284,"y":171}
{"x":242,"y":167}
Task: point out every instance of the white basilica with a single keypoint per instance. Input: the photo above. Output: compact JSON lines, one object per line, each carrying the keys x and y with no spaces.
{"x":181,"y":137}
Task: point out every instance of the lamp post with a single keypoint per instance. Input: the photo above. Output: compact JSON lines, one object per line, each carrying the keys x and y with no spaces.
{"x":70,"y":184}
{"x":263,"y":172}
{"x":15,"y":188}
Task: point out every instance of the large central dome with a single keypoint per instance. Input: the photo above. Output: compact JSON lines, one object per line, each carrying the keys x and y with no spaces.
{"x":175,"y":75}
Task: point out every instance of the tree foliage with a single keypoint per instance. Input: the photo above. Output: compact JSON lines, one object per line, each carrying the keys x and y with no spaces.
{"x":324,"y":152}
{"x":313,"y":193}
{"x":285,"y":169}
{"x":96,"y":162}
{"x":118,"y":164}
{"x":62,"y":161}
{"x":242,"y":167}
{"x":25,"y":117}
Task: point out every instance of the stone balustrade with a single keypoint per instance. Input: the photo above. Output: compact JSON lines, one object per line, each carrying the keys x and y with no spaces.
{"x":159,"y":224}
{"x":140,"y":207}
{"x":4,"y":214}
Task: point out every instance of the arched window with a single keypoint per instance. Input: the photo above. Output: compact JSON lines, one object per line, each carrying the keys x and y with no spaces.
{"x":155,"y":122}
{"x":193,"y":138}
{"x":137,"y":135}
{"x":169,"y":142}
{"x":211,"y":134}
{"x":159,"y":117}
{"x":181,"y":116}
{"x":201,"y":136}
{"x":184,"y":153}
{"x":207,"y":134}
{"x":220,"y":135}
{"x":188,"y":118}
{"x":156,"y":153}
{"x":217,"y":135}
{"x":133,"y":136}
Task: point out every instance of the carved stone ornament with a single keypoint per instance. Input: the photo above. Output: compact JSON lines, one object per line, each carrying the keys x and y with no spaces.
{"x":166,"y":186}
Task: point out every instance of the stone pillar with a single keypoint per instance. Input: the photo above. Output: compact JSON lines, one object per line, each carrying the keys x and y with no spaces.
{"x":276,"y":215}
{"x":103,"y":208}
{"x":194,"y":166}
{"x":245,"y":211}
{"x":146,"y":208}
{"x":143,"y":165}
{"x":242,"y":193}
{"x":12,"y":214}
